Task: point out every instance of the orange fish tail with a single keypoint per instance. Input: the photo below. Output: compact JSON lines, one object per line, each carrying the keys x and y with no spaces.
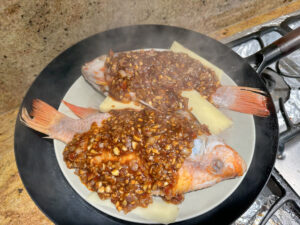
{"x":81,"y":112}
{"x":42,"y":118}
{"x":242,"y":99}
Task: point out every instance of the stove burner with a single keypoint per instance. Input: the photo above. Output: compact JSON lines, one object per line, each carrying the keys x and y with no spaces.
{"x":291,"y":132}
{"x":273,"y":75}
{"x":276,"y":85}
{"x":281,"y":78}
{"x":287,"y":63}
{"x":287,"y":195}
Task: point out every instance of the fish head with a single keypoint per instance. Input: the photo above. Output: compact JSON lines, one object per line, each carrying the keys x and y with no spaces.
{"x":217,"y":158}
{"x":225,"y":162}
{"x":93,"y":73}
{"x":211,"y":161}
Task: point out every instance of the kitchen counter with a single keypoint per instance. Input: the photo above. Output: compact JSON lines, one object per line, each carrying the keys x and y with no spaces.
{"x":34,"y":32}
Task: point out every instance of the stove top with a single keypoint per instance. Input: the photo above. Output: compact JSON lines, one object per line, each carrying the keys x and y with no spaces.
{"x":279,"y":201}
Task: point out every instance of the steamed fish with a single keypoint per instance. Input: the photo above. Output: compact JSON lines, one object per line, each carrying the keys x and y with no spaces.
{"x":157,"y":79}
{"x":167,"y":155}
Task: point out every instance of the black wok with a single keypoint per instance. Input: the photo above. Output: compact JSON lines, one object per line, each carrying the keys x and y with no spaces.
{"x":35,"y":156}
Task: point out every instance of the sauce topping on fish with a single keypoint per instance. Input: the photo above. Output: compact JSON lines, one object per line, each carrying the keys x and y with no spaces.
{"x":157,"y":78}
{"x":133,"y":154}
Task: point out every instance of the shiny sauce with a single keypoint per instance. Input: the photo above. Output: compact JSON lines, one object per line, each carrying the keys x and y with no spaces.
{"x":157,"y":78}
{"x":134,"y":155}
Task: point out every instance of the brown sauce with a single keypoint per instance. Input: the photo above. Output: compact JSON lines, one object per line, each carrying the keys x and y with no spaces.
{"x":132,"y":155}
{"x":157,"y":78}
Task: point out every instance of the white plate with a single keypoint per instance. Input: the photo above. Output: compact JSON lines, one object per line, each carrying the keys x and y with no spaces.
{"x":241,"y":137}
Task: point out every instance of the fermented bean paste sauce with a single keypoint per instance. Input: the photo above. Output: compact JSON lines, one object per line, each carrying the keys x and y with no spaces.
{"x":157,"y":77}
{"x":133,"y":155}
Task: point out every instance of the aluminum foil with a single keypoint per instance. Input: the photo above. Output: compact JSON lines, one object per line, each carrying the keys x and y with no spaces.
{"x":286,"y":215}
{"x":258,"y":209}
{"x":295,"y":25}
{"x":289,"y":65}
{"x":275,"y":22}
{"x":247,"y":48}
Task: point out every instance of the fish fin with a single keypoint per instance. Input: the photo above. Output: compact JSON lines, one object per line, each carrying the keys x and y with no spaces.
{"x":81,"y":112}
{"x":43,"y":116}
{"x":45,"y":119}
{"x":242,"y":99}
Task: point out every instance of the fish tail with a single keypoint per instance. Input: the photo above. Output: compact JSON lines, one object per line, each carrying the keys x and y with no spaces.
{"x":242,"y":99}
{"x":81,"y":112}
{"x":42,"y":118}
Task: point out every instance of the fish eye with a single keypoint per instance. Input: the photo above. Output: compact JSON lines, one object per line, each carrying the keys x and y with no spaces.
{"x":217,"y":165}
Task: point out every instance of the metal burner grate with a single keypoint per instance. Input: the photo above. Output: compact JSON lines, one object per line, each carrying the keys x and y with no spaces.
{"x":278,"y":203}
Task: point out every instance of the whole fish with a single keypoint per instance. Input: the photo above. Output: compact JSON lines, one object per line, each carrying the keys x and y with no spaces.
{"x":241,"y":99}
{"x":210,"y":162}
